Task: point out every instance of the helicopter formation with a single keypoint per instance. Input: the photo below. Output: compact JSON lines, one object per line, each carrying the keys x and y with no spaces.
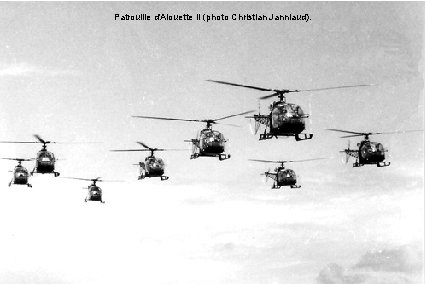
{"x":45,"y":160}
{"x":284,"y":120}
{"x":152,"y":166}
{"x":209,"y":142}
{"x":281,"y":175}
{"x":20,"y":173}
{"x":94,"y":191}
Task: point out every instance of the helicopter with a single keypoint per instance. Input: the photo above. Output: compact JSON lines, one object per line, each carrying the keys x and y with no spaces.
{"x":45,"y":161}
{"x":368,"y":152}
{"x":152,"y":166}
{"x":20,"y":173}
{"x":285,"y":119}
{"x":283,"y":176}
{"x":94,"y":191}
{"x":209,"y":142}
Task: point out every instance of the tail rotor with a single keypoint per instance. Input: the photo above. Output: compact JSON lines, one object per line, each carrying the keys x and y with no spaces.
{"x":346,"y":151}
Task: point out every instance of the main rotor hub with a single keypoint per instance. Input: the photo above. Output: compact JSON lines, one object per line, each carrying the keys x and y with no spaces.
{"x":210,"y":123}
{"x":281,"y":96}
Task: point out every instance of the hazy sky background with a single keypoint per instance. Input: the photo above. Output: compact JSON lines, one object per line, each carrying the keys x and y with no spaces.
{"x":70,"y":72}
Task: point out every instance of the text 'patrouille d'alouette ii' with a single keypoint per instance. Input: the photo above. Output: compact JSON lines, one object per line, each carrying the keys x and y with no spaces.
{"x":213,"y":17}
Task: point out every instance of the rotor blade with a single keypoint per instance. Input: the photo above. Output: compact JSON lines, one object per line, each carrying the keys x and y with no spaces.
{"x":228,"y":124}
{"x":239,"y":85}
{"x":289,"y":161}
{"x":47,"y":142}
{"x":143,"y":144}
{"x":166,"y":118}
{"x":264,"y":161}
{"x":17,"y":159}
{"x":306,"y":160}
{"x":20,"y":142}
{"x":130,"y":150}
{"x":75,"y":142}
{"x":97,"y":179}
{"x":397,"y":132}
{"x":268,"y":96}
{"x":86,"y":179}
{"x":232,"y":115}
{"x":354,"y":135}
{"x":337,"y":87}
{"x":345,"y":131}
{"x":40,"y":139}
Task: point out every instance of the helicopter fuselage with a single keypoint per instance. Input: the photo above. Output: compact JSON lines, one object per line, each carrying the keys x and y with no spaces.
{"x":286,"y":119}
{"x":371,"y":152}
{"x":95,"y":193}
{"x":45,"y":162}
{"x":211,"y":142}
{"x":20,"y":175}
{"x":153,"y":167}
{"x":286,"y":177}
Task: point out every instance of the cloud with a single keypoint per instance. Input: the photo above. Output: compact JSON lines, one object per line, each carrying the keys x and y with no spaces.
{"x":335,"y":274}
{"x":25,"y":69}
{"x":406,"y":259}
{"x":399,"y":265}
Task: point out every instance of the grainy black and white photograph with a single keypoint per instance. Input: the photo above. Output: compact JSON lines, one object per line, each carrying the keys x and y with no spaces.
{"x":212,"y":142}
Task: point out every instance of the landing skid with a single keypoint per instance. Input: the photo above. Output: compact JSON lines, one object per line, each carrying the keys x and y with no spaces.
{"x":56,"y":174}
{"x":291,"y":186}
{"x":298,"y":137}
{"x":11,"y":182}
{"x":266,"y":136}
{"x":357,"y":165}
{"x":223,"y":157}
{"x":194,"y":156}
{"x":85,"y":200}
{"x":301,"y":137}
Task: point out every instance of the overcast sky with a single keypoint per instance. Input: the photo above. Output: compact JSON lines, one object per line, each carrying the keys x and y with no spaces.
{"x":70,"y":72}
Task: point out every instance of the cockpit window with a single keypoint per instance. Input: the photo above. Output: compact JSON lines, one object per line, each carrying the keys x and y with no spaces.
{"x":21,"y":170}
{"x":372,"y":147}
{"x":46,"y":154}
{"x":214,"y":135}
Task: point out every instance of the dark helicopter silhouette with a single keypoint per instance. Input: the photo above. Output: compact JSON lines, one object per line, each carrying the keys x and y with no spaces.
{"x":152,"y":166}
{"x":368,"y":152}
{"x":94,"y":191}
{"x":283,"y":176}
{"x":285,"y":119}
{"x":20,"y":173}
{"x":45,"y":160}
{"x":209,"y":142}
